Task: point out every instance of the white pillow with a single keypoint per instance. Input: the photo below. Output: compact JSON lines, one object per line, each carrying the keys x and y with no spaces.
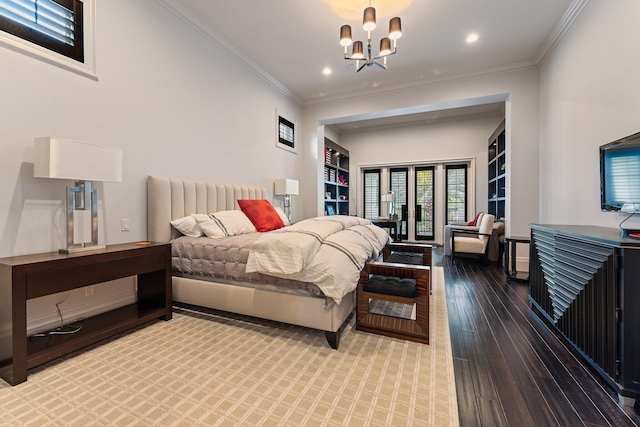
{"x":224,"y":223}
{"x":282,"y":215}
{"x":187,"y":226}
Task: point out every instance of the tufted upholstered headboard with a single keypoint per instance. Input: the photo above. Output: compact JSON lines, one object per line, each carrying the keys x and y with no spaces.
{"x":172,"y":198}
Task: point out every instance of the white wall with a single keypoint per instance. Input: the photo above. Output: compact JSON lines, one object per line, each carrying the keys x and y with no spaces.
{"x":466,"y":138}
{"x":522,"y":109}
{"x":590,"y":95}
{"x":172,"y":100}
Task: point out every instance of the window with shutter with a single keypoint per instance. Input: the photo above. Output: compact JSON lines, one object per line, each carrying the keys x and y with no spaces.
{"x":56,"y":25}
{"x":456,"y":198}
{"x":372,"y":194}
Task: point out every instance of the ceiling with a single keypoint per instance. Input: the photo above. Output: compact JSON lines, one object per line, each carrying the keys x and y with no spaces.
{"x":290,"y":42}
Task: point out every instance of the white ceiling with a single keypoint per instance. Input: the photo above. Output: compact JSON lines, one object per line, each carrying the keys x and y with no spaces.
{"x":290,"y":42}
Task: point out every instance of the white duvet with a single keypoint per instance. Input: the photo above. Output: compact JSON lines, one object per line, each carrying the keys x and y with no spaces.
{"x":328,"y":251}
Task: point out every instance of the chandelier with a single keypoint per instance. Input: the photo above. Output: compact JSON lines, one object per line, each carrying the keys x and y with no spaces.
{"x":369,"y":24}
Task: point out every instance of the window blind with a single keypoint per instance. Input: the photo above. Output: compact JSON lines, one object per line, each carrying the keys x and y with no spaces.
{"x":456,"y":193}
{"x":372,"y":194}
{"x":46,"y":16}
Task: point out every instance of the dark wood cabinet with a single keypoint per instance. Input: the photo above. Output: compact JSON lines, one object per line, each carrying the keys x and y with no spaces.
{"x":32,"y":276}
{"x":585,"y":281}
{"x":336,"y":179}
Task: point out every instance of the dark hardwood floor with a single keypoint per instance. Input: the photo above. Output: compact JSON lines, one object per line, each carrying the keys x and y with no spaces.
{"x":511,"y":369}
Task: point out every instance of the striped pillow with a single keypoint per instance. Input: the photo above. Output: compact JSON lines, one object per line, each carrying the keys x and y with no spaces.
{"x":224,"y":224}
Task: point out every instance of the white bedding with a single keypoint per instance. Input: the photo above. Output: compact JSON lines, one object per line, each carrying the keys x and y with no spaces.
{"x":328,"y":251}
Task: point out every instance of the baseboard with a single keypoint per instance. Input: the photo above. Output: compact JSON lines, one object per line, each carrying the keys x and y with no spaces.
{"x":80,"y":311}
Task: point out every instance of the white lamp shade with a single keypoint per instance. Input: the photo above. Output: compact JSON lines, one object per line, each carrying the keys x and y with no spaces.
{"x":286,"y":186}
{"x":65,"y":159}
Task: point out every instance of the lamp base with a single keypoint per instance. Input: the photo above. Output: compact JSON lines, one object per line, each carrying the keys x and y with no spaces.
{"x":82,"y":248}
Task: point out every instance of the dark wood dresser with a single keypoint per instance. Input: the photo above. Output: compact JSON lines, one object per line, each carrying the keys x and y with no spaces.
{"x":585,"y":281}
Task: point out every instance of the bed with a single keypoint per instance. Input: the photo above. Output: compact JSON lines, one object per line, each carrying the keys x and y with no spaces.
{"x":171,"y":198}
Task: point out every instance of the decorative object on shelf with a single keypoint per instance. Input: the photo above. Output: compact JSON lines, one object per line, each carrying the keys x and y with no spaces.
{"x":331,"y":210}
{"x":82,"y":162}
{"x":286,"y":187}
{"x":390,"y":198}
{"x":327,"y":195}
{"x":343,"y":197}
{"x":369,"y":24}
{"x":327,"y":155}
{"x":342,"y":180}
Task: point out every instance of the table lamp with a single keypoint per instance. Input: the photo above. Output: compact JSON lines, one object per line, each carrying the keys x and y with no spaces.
{"x":286,"y":187}
{"x":64,"y":159}
{"x":390,"y":198}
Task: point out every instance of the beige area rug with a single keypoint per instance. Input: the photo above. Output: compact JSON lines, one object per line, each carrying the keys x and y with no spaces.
{"x":204,"y":369}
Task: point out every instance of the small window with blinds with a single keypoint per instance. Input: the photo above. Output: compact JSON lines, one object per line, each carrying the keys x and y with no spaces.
{"x":56,"y":25}
{"x":285,"y":133}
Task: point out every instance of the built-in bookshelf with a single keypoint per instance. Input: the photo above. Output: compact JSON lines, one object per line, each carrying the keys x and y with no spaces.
{"x":336,"y":179}
{"x":497,"y":173}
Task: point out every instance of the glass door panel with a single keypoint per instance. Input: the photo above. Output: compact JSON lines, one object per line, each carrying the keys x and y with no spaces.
{"x":424,"y":196}
{"x":398,"y":183}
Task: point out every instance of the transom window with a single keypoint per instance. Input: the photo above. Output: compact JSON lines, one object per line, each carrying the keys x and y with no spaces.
{"x":56,"y":25}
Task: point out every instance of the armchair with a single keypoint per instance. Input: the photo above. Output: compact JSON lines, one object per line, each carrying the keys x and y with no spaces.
{"x":471,"y":242}
{"x":475,"y":226}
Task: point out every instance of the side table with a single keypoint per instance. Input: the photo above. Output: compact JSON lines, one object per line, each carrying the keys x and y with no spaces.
{"x":510,"y":244}
{"x":392,"y":226}
{"x":32,"y":276}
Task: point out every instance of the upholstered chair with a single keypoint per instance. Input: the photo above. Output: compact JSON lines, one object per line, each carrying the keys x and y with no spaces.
{"x":474,"y":243}
{"x":459,"y":226}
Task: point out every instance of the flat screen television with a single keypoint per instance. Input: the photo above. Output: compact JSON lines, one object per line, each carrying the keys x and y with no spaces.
{"x":620,"y":175}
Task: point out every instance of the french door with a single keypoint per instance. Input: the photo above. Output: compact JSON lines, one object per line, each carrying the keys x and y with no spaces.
{"x":413,"y":188}
{"x":426,"y":197}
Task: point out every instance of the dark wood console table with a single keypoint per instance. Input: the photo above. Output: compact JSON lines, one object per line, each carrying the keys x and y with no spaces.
{"x":32,"y":276}
{"x":585,"y":281}
{"x":393,"y":228}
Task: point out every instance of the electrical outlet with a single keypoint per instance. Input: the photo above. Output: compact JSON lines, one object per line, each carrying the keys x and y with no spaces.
{"x":124,"y":224}
{"x":88,"y":291}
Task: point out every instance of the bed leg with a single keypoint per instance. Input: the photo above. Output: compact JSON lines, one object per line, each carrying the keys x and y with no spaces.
{"x":333,"y":338}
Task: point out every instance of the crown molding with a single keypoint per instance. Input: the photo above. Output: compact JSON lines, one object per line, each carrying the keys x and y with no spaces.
{"x":175,"y":7}
{"x":567,"y":20}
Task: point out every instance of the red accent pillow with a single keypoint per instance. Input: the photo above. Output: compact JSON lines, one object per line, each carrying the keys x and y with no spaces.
{"x":475,"y":220}
{"x":262,"y":214}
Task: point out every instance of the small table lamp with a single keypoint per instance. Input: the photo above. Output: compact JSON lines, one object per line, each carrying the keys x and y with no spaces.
{"x":286,"y":187}
{"x":390,"y":198}
{"x":65,"y":159}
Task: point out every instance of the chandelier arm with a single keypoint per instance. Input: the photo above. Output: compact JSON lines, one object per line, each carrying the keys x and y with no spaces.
{"x":361,"y":67}
{"x":384,"y":67}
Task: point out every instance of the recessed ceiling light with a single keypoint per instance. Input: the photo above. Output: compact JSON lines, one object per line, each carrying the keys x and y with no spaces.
{"x":472,"y":38}
{"x":327,"y":71}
